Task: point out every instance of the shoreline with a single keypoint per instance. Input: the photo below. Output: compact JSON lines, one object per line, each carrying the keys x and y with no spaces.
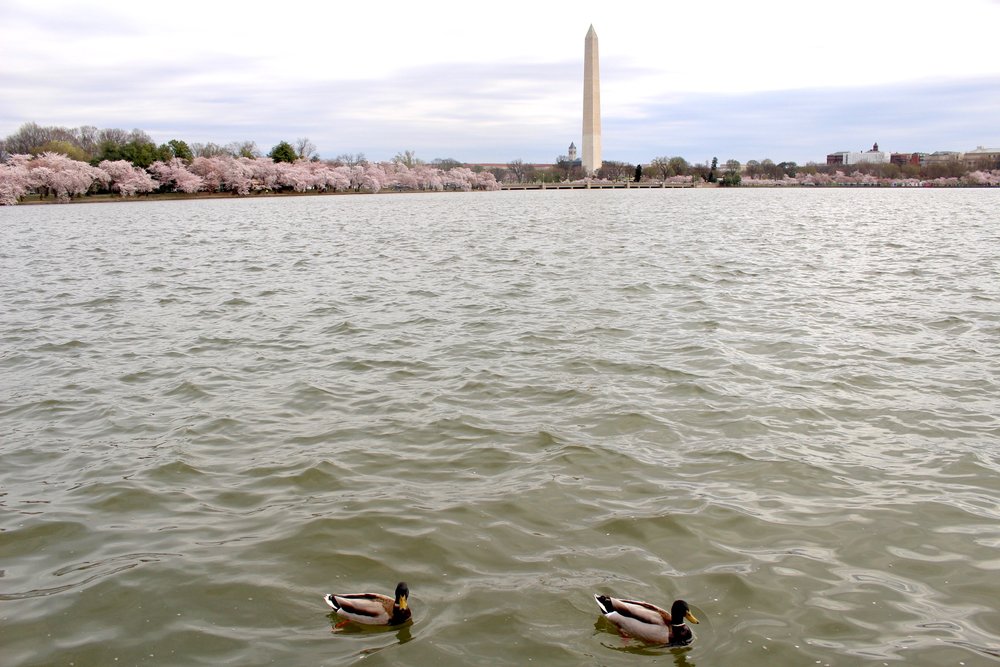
{"x":35,"y":200}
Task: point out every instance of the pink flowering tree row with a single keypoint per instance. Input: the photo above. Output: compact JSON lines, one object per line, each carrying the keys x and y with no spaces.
{"x":975,"y":178}
{"x":56,"y":174}
{"x":47,"y":174}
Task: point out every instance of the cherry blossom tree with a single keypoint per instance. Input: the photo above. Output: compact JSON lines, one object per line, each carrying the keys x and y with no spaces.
{"x":980,"y":177}
{"x":265,"y":173}
{"x":175,"y":175}
{"x":62,"y":176}
{"x":294,"y":176}
{"x":338,"y":179}
{"x":209,"y":169}
{"x":128,"y":179}
{"x":237,"y":175}
{"x":15,"y":182}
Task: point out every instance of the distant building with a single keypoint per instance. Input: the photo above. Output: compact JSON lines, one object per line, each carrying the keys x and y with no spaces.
{"x":982,"y":157}
{"x":939,"y":157}
{"x":874,"y":156}
{"x":571,"y":156}
{"x":905,"y":158}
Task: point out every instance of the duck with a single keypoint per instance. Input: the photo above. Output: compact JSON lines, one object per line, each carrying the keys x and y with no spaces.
{"x":648,"y":622}
{"x":372,"y":608}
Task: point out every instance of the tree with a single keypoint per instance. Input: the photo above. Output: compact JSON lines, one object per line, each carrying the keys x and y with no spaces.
{"x":128,"y":179}
{"x":701,"y":171}
{"x":208,"y":150}
{"x":15,"y":182}
{"x":113,"y":135}
{"x":730,"y":180}
{"x":661,"y":165}
{"x":771,"y":170}
{"x":86,"y":136}
{"x":283,"y":152}
{"x":247,"y":149}
{"x":174,"y":174}
{"x":638,"y":173}
{"x":306,"y":149}
{"x":180,"y":150}
{"x":731,"y":175}
{"x":566,"y":169}
{"x":350,"y":159}
{"x":445,"y":164}
{"x":789,"y":168}
{"x":712,"y":170}
{"x":407,"y":159}
{"x":613,"y":170}
{"x":63,"y":148}
{"x":680,"y":166}
{"x":58,"y":174}
{"x":27,"y":138}
{"x":140,"y":152}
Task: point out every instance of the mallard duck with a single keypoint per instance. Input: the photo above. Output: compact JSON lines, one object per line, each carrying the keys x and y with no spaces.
{"x":648,"y":622}
{"x":372,"y":608}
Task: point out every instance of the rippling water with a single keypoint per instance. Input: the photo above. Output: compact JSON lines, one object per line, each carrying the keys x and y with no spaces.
{"x":782,"y":406}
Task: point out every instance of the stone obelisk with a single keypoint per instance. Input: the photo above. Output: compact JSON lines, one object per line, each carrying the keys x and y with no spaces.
{"x":591,"y":154}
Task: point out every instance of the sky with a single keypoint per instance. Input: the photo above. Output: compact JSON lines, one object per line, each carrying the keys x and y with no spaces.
{"x":494,"y":82}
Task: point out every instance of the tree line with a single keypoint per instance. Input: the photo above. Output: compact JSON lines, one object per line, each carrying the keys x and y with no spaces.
{"x":95,"y":147}
{"x":65,"y":164}
{"x":755,"y":172}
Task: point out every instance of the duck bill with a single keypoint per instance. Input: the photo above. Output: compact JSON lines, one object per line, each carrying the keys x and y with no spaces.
{"x":402,"y":602}
{"x":690,"y":617}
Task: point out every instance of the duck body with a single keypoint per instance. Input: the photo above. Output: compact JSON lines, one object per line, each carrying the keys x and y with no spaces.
{"x":648,"y":622}
{"x":372,"y":608}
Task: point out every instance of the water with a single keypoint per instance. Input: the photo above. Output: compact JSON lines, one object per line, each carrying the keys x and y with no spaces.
{"x":781,"y":406}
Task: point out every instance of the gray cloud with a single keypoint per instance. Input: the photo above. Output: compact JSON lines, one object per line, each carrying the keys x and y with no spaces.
{"x":495,"y":112}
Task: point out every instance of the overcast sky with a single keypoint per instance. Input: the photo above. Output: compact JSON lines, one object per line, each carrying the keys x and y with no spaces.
{"x":498,"y":81}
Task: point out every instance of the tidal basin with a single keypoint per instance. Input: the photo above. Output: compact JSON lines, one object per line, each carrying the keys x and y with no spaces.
{"x":782,"y":406}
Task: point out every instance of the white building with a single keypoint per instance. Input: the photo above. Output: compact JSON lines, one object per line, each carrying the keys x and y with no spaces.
{"x":874,"y":156}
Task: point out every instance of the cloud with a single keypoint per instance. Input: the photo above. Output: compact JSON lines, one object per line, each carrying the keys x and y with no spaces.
{"x":353,"y":80}
{"x":805,"y":125}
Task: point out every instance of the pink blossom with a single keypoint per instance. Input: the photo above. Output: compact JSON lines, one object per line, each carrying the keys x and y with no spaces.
{"x":209,"y":169}
{"x":56,"y":173}
{"x":176,"y":175}
{"x":15,"y":182}
{"x":128,"y":179}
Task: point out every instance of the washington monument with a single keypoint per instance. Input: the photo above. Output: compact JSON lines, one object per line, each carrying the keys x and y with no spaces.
{"x":591,"y":157}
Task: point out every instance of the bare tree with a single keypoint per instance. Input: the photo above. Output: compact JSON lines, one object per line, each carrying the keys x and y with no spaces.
{"x":30,"y":136}
{"x":243,"y":149}
{"x":139,"y":137}
{"x":112,"y":135}
{"x":350,"y":159}
{"x":661,"y":166}
{"x":87,"y":138}
{"x":208,"y":150}
{"x":613,"y":170}
{"x":306,"y":149}
{"x":517,"y":170}
{"x":407,"y":159}
{"x":565,"y":167}
{"x":445,"y":163}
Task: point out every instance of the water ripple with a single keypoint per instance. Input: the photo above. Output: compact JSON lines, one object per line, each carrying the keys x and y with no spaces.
{"x":778,"y":405}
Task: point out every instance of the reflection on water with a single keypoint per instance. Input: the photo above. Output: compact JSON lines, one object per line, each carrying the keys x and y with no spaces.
{"x":781,"y":406}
